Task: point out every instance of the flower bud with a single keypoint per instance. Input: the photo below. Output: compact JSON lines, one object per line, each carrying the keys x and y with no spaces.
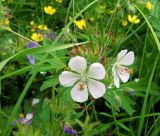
{"x":118,"y":100}
{"x":129,"y":91}
{"x":131,"y":9}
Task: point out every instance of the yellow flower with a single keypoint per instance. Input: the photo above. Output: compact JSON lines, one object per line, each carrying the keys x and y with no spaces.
{"x":149,"y":5}
{"x":21,"y":115}
{"x":45,"y":27}
{"x":6,"y":23}
{"x":133,"y":19}
{"x":124,"y":22}
{"x":33,"y":26}
{"x":37,"y":37}
{"x":59,"y":1}
{"x":42,"y":27}
{"x":81,"y":24}
{"x":49,"y":10}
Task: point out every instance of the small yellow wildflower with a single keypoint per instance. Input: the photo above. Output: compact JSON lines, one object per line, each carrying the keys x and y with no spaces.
{"x":81,"y":24}
{"x":149,"y":5}
{"x":33,"y":26}
{"x":49,"y":10}
{"x":45,"y":27}
{"x":124,"y":22}
{"x":21,"y":115}
{"x":59,"y":1}
{"x":42,"y":27}
{"x":37,"y":37}
{"x":6,"y":23}
{"x":133,"y":19}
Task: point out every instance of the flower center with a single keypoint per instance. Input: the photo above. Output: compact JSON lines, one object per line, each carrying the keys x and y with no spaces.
{"x":123,"y":70}
{"x":82,"y":85}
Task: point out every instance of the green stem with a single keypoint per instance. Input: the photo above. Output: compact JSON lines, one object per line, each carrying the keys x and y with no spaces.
{"x":115,"y":120}
{"x":20,"y":99}
{"x":86,"y":109}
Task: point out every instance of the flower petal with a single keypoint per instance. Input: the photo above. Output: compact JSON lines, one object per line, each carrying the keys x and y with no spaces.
{"x":67,"y":79}
{"x":115,"y":76}
{"x":97,"y":89}
{"x":121,"y":54}
{"x":31,"y":59}
{"x":78,"y":64}
{"x":96,"y":71}
{"x":123,"y":73}
{"x":79,"y":95}
{"x":128,"y":59}
{"x":29,"y":116}
{"x":35,"y":101}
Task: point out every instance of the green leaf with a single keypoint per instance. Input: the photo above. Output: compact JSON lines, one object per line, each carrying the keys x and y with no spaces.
{"x":41,"y":49}
{"x":123,"y":126}
{"x":155,"y":23}
{"x":49,"y":83}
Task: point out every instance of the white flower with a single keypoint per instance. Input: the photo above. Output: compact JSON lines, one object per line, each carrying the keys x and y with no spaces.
{"x":119,"y":70}
{"x":83,"y":80}
{"x":35,"y":101}
{"x":29,"y":116}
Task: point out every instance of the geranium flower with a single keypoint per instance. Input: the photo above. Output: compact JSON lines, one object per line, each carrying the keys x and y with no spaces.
{"x":119,"y":70}
{"x":49,"y":10}
{"x":83,"y":80}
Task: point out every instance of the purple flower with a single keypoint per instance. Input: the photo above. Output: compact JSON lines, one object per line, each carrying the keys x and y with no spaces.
{"x":69,"y":130}
{"x":27,"y":120}
{"x":32,"y":45}
{"x":52,"y":36}
{"x":31,"y":58}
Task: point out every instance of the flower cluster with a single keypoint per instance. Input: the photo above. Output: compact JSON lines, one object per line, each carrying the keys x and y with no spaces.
{"x":87,"y":80}
{"x":132,"y":19}
{"x":24,"y":120}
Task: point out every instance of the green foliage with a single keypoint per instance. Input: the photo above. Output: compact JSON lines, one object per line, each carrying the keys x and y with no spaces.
{"x":131,"y":109}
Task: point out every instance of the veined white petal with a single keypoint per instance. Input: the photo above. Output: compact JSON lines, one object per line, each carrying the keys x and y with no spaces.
{"x":96,"y":71}
{"x":123,"y":73}
{"x":97,"y":89}
{"x":79,"y":95}
{"x":121,"y":54}
{"x":115,"y":77}
{"x":128,"y":59}
{"x":67,"y":79}
{"x":78,"y":64}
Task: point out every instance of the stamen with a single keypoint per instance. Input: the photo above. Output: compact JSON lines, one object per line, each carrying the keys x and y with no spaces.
{"x":82,"y":86}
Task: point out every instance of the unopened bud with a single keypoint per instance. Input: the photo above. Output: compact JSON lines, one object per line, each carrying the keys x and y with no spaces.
{"x":118,"y":100}
{"x":131,"y":9}
{"x":129,"y":91}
